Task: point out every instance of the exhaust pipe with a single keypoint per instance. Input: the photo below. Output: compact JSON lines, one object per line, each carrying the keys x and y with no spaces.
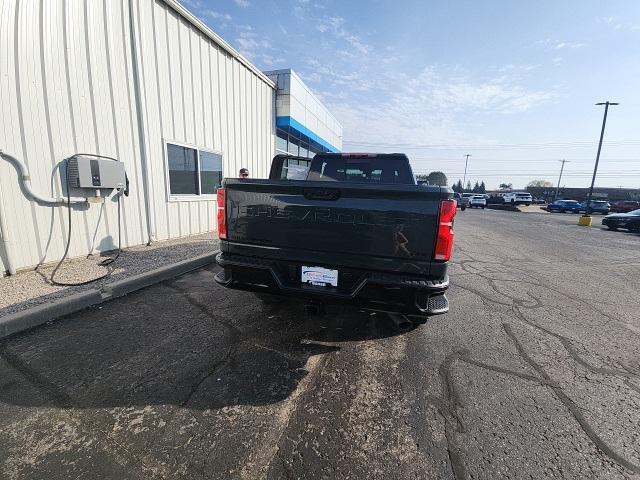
{"x":401,"y":322}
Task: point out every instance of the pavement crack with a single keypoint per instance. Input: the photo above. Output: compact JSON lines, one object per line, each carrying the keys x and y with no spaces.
{"x":58,"y":397}
{"x":632,"y":386}
{"x":448,"y":409}
{"x":575,"y":411}
{"x":214,"y":368}
{"x":234,"y":331}
{"x":506,"y":371}
{"x":566,"y":343}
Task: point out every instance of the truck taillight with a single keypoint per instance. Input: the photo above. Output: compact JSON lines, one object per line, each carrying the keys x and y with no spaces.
{"x":444,"y":240}
{"x":222,"y":217}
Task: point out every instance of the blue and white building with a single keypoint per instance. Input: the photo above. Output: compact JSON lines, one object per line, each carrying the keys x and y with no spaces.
{"x":304,"y":125}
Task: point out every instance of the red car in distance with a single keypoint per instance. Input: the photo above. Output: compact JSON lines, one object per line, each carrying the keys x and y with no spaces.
{"x":624,"y":206}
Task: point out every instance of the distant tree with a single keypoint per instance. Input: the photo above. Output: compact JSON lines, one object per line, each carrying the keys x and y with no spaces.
{"x":468,"y":187}
{"x":506,"y":186}
{"x":457,"y":187}
{"x":437,"y":178}
{"x":476,"y":188}
{"x":483,"y":188}
{"x":540,"y":183}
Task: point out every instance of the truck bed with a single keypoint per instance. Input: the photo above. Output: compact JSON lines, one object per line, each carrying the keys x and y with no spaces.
{"x":387,"y":227}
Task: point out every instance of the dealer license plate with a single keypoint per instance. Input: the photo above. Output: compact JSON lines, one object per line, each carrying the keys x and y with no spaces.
{"x":319,"y":276}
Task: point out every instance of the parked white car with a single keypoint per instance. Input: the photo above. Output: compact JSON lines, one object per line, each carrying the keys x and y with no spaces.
{"x":517,"y":198}
{"x":478,"y":201}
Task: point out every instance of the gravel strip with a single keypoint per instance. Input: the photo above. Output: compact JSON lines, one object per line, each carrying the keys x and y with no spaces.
{"x":32,"y":287}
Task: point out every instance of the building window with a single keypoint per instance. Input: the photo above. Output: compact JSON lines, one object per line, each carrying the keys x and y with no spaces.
{"x":304,"y":149}
{"x":281,"y":140}
{"x":293,"y":146}
{"x":193,"y":171}
{"x":294,"y":169}
{"x":210,"y":172}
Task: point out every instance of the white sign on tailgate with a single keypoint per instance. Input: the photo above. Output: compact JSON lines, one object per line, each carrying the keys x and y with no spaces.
{"x":319,"y":276}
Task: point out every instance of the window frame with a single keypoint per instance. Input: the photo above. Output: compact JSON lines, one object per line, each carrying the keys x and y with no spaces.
{"x":188,"y":197}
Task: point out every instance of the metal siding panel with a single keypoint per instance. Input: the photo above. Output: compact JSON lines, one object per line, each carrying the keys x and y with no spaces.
{"x":239,"y":123}
{"x":206,"y":100}
{"x":197,"y":103}
{"x":150,"y":38}
{"x":121,"y":64}
{"x":187,"y":82}
{"x":164,"y":99}
{"x":227,"y":109}
{"x":10,"y":135}
{"x":216,"y":97}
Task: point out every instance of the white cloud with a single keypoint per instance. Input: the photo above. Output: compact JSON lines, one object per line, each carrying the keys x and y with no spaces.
{"x":250,"y":44}
{"x":554,"y":44}
{"x":217,"y":15}
{"x":335,"y":26}
{"x":303,"y":9}
{"x":618,"y":24}
{"x":432,"y":106}
{"x":569,"y":45}
{"x":242,"y":3}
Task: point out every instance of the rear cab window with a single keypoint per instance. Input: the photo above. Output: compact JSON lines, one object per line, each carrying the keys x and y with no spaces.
{"x":382,"y":169}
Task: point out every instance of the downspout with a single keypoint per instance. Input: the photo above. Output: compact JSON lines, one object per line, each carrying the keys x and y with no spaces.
{"x":144,"y":158}
{"x":6,"y":244}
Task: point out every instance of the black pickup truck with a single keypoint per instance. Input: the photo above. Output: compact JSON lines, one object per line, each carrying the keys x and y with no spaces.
{"x":357,"y":229}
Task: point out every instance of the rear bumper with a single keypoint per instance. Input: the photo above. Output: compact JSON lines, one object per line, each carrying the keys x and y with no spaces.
{"x":390,"y":292}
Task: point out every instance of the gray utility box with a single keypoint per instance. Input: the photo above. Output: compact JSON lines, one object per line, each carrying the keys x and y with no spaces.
{"x":95,"y":174}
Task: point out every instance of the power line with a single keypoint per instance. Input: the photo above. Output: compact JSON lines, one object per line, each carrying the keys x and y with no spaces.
{"x":522,"y":160}
{"x":497,"y":146}
{"x":535,"y":174}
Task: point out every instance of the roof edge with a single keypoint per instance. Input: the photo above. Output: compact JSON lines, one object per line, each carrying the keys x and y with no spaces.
{"x":200,"y":25}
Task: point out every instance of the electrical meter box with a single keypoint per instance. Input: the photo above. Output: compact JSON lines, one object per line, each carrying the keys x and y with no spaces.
{"x":87,"y":172}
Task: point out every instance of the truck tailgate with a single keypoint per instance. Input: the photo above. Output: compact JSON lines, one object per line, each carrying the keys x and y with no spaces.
{"x":383,"y":227}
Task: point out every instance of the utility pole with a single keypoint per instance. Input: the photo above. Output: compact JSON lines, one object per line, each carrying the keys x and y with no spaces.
{"x":464,"y":181}
{"x":595,"y":169}
{"x":560,"y":177}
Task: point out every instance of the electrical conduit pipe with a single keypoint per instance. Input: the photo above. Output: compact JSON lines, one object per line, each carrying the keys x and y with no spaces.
{"x":24,"y":180}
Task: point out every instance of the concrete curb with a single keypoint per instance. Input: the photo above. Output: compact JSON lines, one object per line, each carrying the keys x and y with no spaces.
{"x":34,"y":316}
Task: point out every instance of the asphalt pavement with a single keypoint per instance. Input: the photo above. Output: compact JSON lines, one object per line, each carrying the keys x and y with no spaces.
{"x":534,"y":373}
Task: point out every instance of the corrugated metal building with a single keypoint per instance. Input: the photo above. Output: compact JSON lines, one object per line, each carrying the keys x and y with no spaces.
{"x":143,"y":81}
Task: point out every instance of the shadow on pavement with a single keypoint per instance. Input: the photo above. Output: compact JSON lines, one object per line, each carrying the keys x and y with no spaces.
{"x":187,"y":342}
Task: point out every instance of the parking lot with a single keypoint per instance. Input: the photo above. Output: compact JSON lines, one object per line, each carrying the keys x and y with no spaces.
{"x":534,"y":373}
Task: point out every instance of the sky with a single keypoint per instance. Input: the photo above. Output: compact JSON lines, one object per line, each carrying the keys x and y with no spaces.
{"x":513,"y":84}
